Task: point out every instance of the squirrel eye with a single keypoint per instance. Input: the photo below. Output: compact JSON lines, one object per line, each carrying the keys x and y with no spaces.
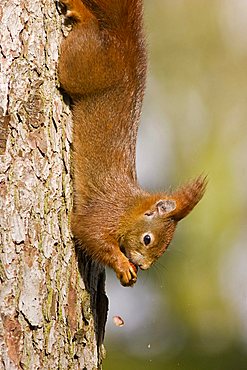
{"x":147,"y":239}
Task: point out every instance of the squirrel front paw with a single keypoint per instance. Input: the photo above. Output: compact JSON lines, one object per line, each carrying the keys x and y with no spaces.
{"x":127,"y":274}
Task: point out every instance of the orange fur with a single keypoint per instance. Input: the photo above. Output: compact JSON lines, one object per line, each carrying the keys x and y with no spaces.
{"x":103,"y":68}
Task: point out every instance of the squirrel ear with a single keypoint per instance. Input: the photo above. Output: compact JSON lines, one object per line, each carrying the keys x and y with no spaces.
{"x":165,"y":206}
{"x":188,"y":196}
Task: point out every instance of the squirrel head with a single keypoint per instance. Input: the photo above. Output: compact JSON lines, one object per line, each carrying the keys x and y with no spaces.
{"x":147,"y":230}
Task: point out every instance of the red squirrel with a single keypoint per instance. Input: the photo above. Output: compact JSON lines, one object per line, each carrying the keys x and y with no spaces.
{"x":102,"y":67}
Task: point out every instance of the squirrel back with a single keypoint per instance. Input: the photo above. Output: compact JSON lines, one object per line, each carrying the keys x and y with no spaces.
{"x":103,"y":68}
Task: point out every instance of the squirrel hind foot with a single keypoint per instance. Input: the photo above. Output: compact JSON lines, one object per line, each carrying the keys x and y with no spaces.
{"x":74,"y":9}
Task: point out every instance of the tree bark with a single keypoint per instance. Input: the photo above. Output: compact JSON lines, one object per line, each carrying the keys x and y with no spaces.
{"x":52,"y":301}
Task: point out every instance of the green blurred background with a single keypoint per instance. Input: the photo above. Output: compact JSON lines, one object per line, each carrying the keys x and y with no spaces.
{"x":190,"y":310}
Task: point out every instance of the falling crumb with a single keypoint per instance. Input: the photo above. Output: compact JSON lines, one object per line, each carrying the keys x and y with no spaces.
{"x":118,"y":321}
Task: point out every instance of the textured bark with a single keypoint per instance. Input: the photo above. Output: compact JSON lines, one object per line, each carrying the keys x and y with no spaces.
{"x":52,"y":312}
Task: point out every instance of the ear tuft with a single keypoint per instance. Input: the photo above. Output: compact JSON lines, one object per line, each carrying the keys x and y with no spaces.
{"x":165,"y":206}
{"x":188,"y":196}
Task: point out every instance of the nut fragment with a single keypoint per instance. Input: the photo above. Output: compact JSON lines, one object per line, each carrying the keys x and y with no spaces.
{"x":135,"y":268}
{"x":118,"y":321}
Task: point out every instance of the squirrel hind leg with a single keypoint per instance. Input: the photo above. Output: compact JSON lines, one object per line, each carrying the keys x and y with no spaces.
{"x":75,"y":9}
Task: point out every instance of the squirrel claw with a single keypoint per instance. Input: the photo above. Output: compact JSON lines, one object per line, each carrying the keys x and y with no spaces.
{"x":128,"y":277}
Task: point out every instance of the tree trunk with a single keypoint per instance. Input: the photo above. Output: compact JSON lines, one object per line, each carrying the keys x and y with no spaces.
{"x":52,"y":302}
